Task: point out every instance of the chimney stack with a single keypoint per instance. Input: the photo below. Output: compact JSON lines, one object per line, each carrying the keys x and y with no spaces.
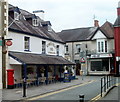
{"x":96,"y":23}
{"x":39,"y":13}
{"x":118,"y":9}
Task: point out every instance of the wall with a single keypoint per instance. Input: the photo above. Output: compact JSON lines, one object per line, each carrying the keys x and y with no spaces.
{"x":35,"y":44}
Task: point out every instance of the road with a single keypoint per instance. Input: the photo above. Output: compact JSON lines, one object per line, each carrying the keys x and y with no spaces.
{"x":89,"y":89}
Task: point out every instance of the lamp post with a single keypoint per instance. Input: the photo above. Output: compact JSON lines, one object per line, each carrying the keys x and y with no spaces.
{"x":3,"y":33}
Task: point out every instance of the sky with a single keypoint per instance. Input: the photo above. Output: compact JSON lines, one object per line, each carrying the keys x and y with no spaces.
{"x":70,"y":14}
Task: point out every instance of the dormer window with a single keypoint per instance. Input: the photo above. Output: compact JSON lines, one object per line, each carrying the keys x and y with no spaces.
{"x":35,"y":22}
{"x":16,"y":15}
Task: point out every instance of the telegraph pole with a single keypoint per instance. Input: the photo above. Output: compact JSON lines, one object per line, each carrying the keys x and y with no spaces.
{"x":3,"y":33}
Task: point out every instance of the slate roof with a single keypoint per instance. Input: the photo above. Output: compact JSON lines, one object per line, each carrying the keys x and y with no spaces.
{"x":108,"y":29}
{"x":78,"y":34}
{"x":23,"y":26}
{"x":86,"y":34}
{"x":40,"y":59}
{"x":117,"y":22}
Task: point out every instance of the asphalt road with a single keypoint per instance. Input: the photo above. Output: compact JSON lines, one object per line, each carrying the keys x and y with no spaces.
{"x":90,"y":90}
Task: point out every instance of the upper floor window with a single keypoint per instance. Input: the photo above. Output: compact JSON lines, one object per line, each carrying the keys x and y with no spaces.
{"x":66,"y":48}
{"x":35,"y":22}
{"x":57,"y":49}
{"x":16,"y":15}
{"x":102,"y":46}
{"x":43,"y":47}
{"x":78,"y":49}
{"x":27,"y":43}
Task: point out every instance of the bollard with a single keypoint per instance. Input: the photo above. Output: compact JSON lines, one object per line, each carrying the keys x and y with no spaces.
{"x":81,"y":98}
{"x":24,"y":87}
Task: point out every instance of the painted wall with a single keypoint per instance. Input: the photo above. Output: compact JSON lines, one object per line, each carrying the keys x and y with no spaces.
{"x":35,"y":44}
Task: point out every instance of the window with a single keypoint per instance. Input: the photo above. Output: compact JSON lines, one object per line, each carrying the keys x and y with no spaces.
{"x":43,"y":47}
{"x":78,"y":48}
{"x":57,"y":50}
{"x":105,"y":46}
{"x":27,"y":43}
{"x":35,"y":22}
{"x":98,"y":46}
{"x":16,"y":15}
{"x":66,"y":48}
{"x":102,"y":46}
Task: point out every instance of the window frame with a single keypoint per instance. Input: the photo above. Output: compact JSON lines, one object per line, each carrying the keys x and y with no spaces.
{"x":26,"y":43}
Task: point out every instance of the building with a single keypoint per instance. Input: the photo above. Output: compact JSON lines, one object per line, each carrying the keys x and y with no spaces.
{"x":37,"y":52}
{"x":0,"y":64}
{"x":92,"y":48}
{"x":117,"y":42}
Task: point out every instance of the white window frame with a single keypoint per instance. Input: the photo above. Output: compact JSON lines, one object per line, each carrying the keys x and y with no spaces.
{"x":43,"y":47}
{"x":16,"y":15}
{"x":78,"y":48}
{"x":27,"y":43}
{"x":57,"y":50}
{"x":101,"y":46}
{"x":35,"y":22}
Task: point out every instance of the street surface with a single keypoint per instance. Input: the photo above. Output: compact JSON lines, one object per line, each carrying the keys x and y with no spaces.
{"x":89,"y":89}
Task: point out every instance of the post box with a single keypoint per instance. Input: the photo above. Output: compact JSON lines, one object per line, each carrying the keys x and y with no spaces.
{"x":10,"y":78}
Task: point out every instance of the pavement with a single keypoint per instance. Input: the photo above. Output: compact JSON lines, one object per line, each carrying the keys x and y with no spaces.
{"x":113,"y":95}
{"x":17,"y":93}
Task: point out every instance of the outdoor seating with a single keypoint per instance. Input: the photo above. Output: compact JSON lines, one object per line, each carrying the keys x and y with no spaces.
{"x":41,"y":80}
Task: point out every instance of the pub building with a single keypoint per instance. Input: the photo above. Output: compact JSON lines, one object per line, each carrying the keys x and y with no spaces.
{"x":37,"y":52}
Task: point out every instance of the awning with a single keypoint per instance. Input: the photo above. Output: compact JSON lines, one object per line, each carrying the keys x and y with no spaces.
{"x":39,"y":59}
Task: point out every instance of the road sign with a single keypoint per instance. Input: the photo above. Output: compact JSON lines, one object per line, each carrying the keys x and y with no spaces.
{"x":82,"y":60}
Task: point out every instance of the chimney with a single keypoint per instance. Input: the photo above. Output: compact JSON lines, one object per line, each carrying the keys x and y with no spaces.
{"x":96,"y":23}
{"x":118,"y":9}
{"x":39,"y":13}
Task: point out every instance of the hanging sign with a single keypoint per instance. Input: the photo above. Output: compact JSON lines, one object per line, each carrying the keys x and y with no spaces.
{"x":9,"y":43}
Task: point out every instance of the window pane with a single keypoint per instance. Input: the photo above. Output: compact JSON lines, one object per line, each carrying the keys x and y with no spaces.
{"x":105,"y":46}
{"x":57,"y":49}
{"x":43,"y":47}
{"x":26,"y":43}
{"x":102,"y":47}
{"x":98,"y":46}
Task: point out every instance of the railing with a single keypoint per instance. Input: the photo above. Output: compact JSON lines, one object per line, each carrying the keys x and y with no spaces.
{"x":107,"y":82}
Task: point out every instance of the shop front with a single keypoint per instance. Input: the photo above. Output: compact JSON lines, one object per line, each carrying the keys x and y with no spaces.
{"x":39,"y":69}
{"x":100,"y":65}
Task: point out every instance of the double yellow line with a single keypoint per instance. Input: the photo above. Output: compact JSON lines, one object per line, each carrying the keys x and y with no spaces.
{"x":62,"y":90}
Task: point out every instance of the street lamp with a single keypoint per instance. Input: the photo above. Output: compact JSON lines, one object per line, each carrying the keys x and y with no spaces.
{"x":3,"y":33}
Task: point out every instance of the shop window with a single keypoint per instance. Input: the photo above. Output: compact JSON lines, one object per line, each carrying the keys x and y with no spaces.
{"x":27,"y":43}
{"x":96,"y":65}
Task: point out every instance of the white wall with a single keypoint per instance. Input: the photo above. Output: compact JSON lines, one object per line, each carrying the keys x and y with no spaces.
{"x":35,"y":44}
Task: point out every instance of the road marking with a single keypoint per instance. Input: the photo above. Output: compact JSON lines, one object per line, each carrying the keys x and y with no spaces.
{"x":62,"y":90}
